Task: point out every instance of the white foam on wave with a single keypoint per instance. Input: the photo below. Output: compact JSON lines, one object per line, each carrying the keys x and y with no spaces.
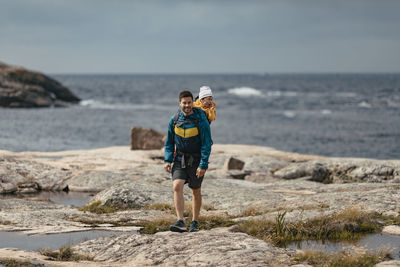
{"x":326,"y":111}
{"x":244,"y":91}
{"x":364,"y":104}
{"x":91,"y":103}
{"x":280,"y":93}
{"x":95,"y":104}
{"x":346,"y":94}
{"x":289,"y":114}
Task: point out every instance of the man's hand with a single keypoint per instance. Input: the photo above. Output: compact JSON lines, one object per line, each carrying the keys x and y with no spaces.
{"x":200,"y":172}
{"x":167,"y":167}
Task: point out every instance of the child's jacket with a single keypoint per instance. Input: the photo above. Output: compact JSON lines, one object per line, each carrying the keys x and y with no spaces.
{"x":210,"y":112}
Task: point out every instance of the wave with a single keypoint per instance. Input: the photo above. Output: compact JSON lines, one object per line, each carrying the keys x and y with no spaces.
{"x":95,"y":104}
{"x":289,"y":114}
{"x":245,"y":91}
{"x":280,"y":93}
{"x":326,"y":111}
{"x":364,"y":104}
{"x":346,"y":94}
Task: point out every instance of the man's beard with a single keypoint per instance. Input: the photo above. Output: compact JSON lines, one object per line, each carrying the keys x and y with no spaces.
{"x":187,"y":109}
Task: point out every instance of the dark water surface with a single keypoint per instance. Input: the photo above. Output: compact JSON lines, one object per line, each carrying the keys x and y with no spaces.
{"x":77,"y":199}
{"x":354,"y":115}
{"x":51,"y":241}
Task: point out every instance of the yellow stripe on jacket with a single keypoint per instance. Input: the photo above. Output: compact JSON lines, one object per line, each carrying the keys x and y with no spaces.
{"x":210,"y":112}
{"x":190,"y":132}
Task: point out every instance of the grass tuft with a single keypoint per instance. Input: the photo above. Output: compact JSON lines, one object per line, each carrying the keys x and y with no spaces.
{"x":152,"y":227}
{"x":341,"y":259}
{"x":64,"y":254}
{"x":210,"y":222}
{"x":160,"y":206}
{"x":18,"y":263}
{"x":97,"y":208}
{"x":348,"y":225}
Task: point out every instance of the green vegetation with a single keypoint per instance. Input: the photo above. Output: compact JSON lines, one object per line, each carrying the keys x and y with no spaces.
{"x":18,"y":263}
{"x":348,"y":225}
{"x":64,"y":254}
{"x":160,"y":206}
{"x":6,"y":222}
{"x":96,"y":207}
{"x":206,"y":223}
{"x":210,"y":222}
{"x":340,"y":259}
{"x":152,"y":227}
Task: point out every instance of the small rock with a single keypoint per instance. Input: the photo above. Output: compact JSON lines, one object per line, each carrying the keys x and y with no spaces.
{"x":293,"y":171}
{"x":396,"y":179}
{"x":26,"y":188}
{"x":6,"y":188}
{"x":240,"y":175}
{"x":146,"y":139}
{"x":233,"y":164}
{"x":320,"y":174}
{"x":391,"y":230}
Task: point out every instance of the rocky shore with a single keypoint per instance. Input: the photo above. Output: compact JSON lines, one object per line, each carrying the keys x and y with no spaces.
{"x":21,"y":88}
{"x":263,"y":182}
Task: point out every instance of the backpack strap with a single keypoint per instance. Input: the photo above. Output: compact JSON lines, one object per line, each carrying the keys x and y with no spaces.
{"x":176,"y":117}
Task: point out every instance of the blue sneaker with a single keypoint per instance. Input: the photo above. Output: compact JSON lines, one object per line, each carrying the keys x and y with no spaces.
{"x":194,"y":226}
{"x":179,"y":226}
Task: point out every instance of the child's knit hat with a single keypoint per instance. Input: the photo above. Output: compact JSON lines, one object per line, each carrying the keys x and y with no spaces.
{"x":204,"y":92}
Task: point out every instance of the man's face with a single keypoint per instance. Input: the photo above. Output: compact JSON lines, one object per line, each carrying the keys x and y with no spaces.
{"x":186,"y":104}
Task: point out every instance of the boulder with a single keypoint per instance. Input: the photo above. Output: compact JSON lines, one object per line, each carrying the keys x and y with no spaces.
{"x":134,"y":195}
{"x":142,"y":138}
{"x":320,"y":174}
{"x":233,"y":164}
{"x":21,"y":88}
{"x":294,"y":171}
{"x":6,"y":188}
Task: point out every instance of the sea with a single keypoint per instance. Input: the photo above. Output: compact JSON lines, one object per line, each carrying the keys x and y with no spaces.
{"x":337,"y":115}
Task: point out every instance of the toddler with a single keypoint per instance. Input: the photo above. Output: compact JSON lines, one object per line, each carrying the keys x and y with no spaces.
{"x":205,"y":102}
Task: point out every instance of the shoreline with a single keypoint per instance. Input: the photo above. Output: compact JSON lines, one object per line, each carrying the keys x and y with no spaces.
{"x":306,"y":187}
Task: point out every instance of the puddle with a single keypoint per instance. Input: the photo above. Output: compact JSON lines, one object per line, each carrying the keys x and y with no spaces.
{"x":77,"y":199}
{"x":370,"y":243}
{"x":50,"y":241}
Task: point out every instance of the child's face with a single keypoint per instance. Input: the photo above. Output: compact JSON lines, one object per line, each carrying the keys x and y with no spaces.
{"x":206,"y":101}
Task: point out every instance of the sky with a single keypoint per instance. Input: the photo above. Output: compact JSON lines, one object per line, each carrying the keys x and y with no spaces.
{"x":171,"y":36}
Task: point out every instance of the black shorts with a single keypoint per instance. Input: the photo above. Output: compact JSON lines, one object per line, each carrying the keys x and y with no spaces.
{"x":188,"y":174}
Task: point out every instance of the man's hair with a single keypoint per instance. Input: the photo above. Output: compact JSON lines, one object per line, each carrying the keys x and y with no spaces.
{"x":185,"y":94}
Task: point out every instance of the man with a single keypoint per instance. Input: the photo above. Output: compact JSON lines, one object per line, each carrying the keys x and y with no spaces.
{"x":188,"y":132}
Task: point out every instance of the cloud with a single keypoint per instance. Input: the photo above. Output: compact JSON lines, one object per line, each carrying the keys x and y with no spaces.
{"x":199,"y":36}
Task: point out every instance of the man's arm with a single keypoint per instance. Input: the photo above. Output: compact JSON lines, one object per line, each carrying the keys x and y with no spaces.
{"x":169,"y":146}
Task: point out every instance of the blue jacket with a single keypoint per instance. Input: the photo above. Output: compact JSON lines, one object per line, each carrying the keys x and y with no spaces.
{"x":188,"y":139}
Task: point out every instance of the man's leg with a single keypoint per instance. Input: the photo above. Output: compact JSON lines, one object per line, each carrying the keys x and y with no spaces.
{"x":196,"y":199}
{"x":178,"y":197}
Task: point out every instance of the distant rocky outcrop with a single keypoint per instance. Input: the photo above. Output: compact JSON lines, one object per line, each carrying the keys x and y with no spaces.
{"x":21,"y":88}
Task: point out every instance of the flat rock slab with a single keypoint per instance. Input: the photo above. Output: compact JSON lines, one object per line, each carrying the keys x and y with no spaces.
{"x":38,"y":217}
{"x":217,"y":247}
{"x":393,"y":263}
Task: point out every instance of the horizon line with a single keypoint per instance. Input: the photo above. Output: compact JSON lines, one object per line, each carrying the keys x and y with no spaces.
{"x":225,"y":73}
